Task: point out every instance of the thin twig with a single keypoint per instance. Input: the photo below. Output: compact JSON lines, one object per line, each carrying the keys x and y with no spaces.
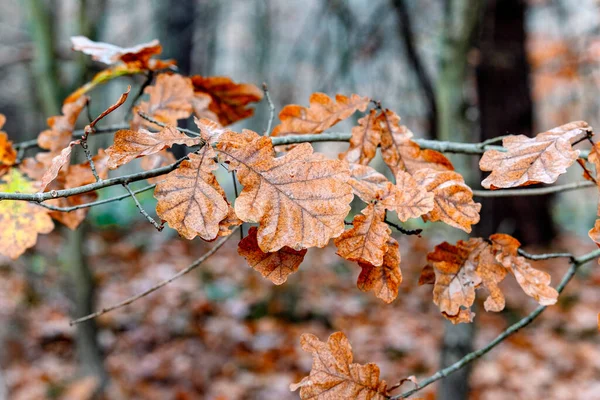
{"x":159,"y":285}
{"x":547,"y":256}
{"x":271,"y":109}
{"x":533,"y":191}
{"x":28,"y":144}
{"x":163,"y":125}
{"x":159,"y":227}
{"x":95,"y":203}
{"x":575,"y":264}
{"x":401,"y":229}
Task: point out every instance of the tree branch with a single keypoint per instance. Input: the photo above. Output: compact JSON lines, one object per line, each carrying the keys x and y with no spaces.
{"x":575,"y":264}
{"x":533,"y":191}
{"x":159,"y":285}
{"x":159,"y":227}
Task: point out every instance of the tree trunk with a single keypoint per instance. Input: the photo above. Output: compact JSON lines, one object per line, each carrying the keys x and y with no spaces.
{"x":506,"y":108}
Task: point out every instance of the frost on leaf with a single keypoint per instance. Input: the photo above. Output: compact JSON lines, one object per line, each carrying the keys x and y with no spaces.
{"x":190,"y":198}
{"x":170,"y":100}
{"x":129,"y":145}
{"x":322,"y":114}
{"x":8,"y":155}
{"x":334,"y":375}
{"x":385,"y":279}
{"x":300,"y":200}
{"x":275,"y":266}
{"x":21,"y":221}
{"x":229,"y":100}
{"x":462,"y":269}
{"x":528,"y":161}
{"x":367,"y":240}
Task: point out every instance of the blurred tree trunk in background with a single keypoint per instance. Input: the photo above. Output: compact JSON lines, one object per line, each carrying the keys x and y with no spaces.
{"x":176,"y":25}
{"x":461,"y":20}
{"x":506,"y":108}
{"x":407,"y":36}
{"x":42,"y":25}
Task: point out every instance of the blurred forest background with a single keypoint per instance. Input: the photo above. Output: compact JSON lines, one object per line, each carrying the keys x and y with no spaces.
{"x":459,"y":70}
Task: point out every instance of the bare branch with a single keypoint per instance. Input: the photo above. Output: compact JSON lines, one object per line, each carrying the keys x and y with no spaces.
{"x":159,"y":227}
{"x":271,"y":109}
{"x":159,"y":285}
{"x":575,"y":264}
{"x":533,"y":191}
{"x":95,"y":203}
{"x":163,"y":125}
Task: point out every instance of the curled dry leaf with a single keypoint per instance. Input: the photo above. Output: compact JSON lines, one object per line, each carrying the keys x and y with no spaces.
{"x":322,"y":114}
{"x":453,"y":199}
{"x":300,"y":199}
{"x":170,"y":100}
{"x":367,"y":241}
{"x":533,"y":160}
{"x":129,"y":145}
{"x":365,"y":140}
{"x":107,"y":53}
{"x":461,"y":269}
{"x":334,"y":375}
{"x":594,"y":233}
{"x":56,"y":164}
{"x":8,"y":155}
{"x":190,"y":198}
{"x":21,"y":221}
{"x":275,"y":266}
{"x":229,"y":100}
{"x":385,"y":279}
{"x":61,"y":126}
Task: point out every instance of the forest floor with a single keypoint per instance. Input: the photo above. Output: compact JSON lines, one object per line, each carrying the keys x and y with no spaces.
{"x":224,"y":332}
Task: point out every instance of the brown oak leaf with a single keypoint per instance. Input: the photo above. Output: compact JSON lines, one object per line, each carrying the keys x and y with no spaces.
{"x":322,"y":114}
{"x":300,"y":199}
{"x":367,"y":240}
{"x":230,"y":100}
{"x":535,"y":283}
{"x":334,"y":375}
{"x":190,"y":198}
{"x":528,"y":161}
{"x":61,"y":126}
{"x":385,"y":279}
{"x":8,"y":155}
{"x":453,"y":199}
{"x":129,"y":145}
{"x":365,"y":140}
{"x":275,"y":266}
{"x":170,"y":100}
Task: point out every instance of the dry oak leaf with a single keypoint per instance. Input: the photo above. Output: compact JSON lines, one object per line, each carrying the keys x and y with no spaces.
{"x":61,"y":126}
{"x":334,"y":376}
{"x":528,"y":161}
{"x":365,"y":140}
{"x":21,"y":221}
{"x":170,"y":100}
{"x":385,"y":279}
{"x":535,"y":283}
{"x":300,"y":200}
{"x":322,"y":114}
{"x":56,"y":164}
{"x":230,"y":221}
{"x":594,"y":233}
{"x":276,"y":266}
{"x":490,"y":271}
{"x":367,"y":241}
{"x":400,"y":153}
{"x":455,"y":276}
{"x":210,"y":130}
{"x":129,"y":145}
{"x":229,"y":99}
{"x":107,"y":53}
{"x":407,"y":198}
{"x":453,"y":199}
{"x":8,"y":155}
{"x":190,"y":198}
